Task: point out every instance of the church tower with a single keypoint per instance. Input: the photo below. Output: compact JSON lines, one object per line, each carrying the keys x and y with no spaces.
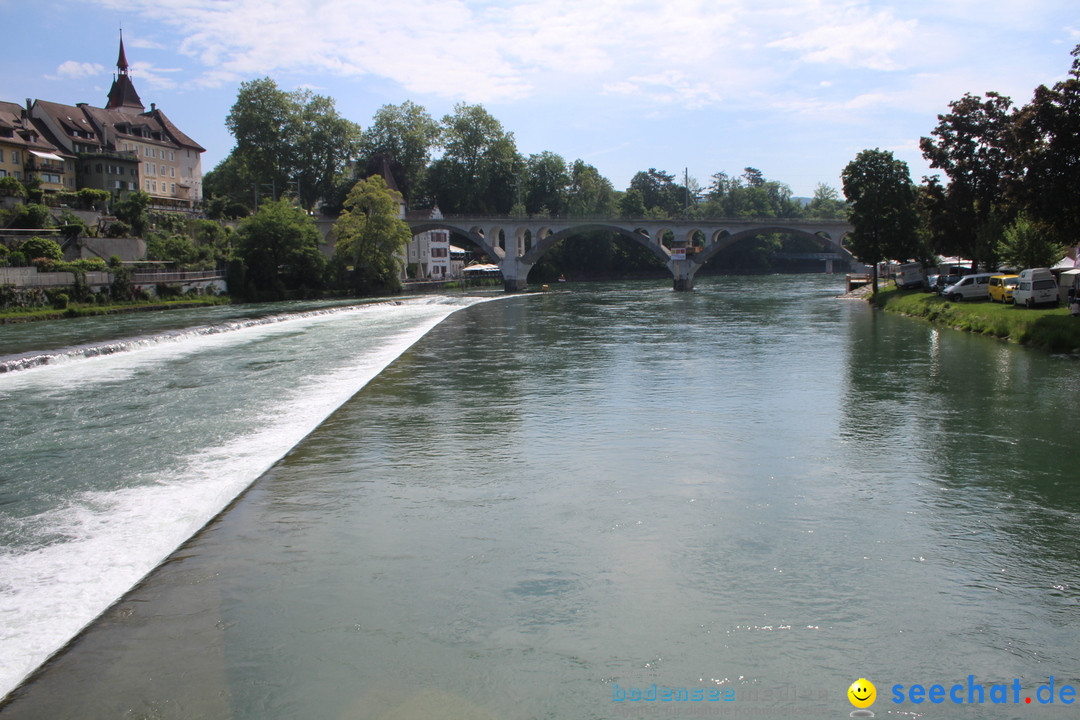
{"x":122,"y":95}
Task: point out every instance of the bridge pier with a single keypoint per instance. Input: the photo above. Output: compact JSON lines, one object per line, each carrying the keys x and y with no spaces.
{"x":683,"y":273}
{"x":515,"y":274}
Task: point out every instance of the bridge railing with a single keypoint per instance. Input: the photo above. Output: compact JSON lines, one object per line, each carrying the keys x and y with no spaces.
{"x":643,"y":220}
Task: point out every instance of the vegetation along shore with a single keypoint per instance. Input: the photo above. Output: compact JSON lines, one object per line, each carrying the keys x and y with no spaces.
{"x":1051,"y":329}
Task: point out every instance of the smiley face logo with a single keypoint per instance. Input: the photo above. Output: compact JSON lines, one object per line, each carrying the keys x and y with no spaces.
{"x":862,"y":693}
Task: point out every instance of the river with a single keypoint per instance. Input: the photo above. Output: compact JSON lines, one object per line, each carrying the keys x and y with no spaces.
{"x":557,"y":505}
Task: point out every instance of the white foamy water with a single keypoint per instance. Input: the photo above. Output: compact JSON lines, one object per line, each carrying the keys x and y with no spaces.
{"x":185,"y":421}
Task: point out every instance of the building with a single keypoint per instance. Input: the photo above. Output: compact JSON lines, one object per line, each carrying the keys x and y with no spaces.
{"x":429,"y":251}
{"x":28,"y":151}
{"x":123,"y":147}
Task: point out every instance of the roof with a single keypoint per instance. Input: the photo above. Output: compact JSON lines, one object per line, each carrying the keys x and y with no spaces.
{"x":29,"y":133}
{"x":122,"y":94}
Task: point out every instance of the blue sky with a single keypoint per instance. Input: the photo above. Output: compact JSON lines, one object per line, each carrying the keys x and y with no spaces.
{"x":794,"y":88}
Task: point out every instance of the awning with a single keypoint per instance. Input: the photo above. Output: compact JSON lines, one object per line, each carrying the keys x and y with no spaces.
{"x":47,"y":156}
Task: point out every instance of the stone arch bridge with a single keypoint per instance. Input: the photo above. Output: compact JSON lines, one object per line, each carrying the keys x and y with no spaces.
{"x":518,"y":243}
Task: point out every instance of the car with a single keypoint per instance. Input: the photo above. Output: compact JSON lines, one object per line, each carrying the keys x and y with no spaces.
{"x":944,"y":281}
{"x":1001,"y":288}
{"x":969,"y":287}
{"x":1036,"y":286}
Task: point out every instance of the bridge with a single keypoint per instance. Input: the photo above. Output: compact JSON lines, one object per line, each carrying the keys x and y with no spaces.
{"x":516,"y":244}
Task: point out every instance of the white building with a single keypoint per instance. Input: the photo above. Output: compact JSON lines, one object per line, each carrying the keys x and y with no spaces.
{"x":429,"y":251}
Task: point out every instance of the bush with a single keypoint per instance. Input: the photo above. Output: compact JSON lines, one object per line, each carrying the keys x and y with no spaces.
{"x":60,"y":301}
{"x":11,"y":187}
{"x":37,"y":247}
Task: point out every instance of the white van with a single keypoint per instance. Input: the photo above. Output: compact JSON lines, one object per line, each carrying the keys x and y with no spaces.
{"x":969,"y":287}
{"x":1036,"y":286}
{"x":910,"y":275}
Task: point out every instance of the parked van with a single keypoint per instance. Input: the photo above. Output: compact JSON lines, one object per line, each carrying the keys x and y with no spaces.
{"x":1037,"y":286}
{"x":969,"y":287}
{"x":910,"y":275}
{"x":1001,"y":288}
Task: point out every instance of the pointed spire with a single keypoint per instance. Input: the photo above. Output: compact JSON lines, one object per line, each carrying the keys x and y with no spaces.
{"x":122,"y":95}
{"x":121,"y":62}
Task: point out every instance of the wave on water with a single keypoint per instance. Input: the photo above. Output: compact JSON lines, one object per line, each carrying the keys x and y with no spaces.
{"x":50,"y":591}
{"x":35,"y":359}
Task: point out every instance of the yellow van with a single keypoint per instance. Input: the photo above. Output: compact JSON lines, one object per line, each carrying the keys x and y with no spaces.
{"x":1001,"y":287}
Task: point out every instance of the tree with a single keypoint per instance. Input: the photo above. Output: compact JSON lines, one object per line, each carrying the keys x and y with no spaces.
{"x":264,"y":121}
{"x":325,"y":144}
{"x":371,"y":238}
{"x":408,"y":134}
{"x":826,"y":203}
{"x":285,"y":140}
{"x":589,"y":192}
{"x":279,"y":244}
{"x":544,"y":182}
{"x":480,"y":164}
{"x":1047,"y":135}
{"x":881,"y":207}
{"x":132,"y":211}
{"x":972,"y":147}
{"x":1024,"y":244}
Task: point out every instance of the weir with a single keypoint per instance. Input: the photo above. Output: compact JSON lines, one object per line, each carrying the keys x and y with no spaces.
{"x":684,"y":246}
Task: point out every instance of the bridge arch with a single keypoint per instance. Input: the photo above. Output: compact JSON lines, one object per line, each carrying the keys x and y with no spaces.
{"x":639,"y":236}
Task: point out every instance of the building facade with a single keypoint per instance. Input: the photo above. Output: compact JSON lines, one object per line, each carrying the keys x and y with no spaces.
{"x":429,"y":251}
{"x":29,"y":152}
{"x":119,"y":148}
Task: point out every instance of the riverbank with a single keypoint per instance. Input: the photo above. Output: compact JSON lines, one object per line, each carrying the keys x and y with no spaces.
{"x":8,"y":317}
{"x":1050,"y":328}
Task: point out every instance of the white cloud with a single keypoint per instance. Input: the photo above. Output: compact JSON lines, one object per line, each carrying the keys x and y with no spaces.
{"x":72,"y":69}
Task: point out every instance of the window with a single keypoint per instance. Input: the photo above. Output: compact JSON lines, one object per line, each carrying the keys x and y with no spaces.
{"x":15,"y":157}
{"x":173,"y":189}
{"x":161,"y":170}
{"x":147,"y":185}
{"x":172,"y":157}
{"x":172,"y":172}
{"x":97,"y":169}
{"x":1,"y":156}
{"x":3,"y":172}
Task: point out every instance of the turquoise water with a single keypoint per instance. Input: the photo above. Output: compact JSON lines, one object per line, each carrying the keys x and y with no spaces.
{"x":547,"y":501}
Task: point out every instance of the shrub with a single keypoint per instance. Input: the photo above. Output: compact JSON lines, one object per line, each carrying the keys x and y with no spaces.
{"x":60,"y":301}
{"x":37,"y":247}
{"x":11,"y":187}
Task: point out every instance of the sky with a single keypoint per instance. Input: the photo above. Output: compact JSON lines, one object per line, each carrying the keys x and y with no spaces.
{"x":795,"y":88}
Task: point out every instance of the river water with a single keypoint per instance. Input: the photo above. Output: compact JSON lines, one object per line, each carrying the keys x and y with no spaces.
{"x":557,"y":505}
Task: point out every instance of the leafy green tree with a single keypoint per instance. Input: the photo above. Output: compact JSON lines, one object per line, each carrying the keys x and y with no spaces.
{"x":265,"y":122}
{"x":632,"y":204}
{"x":285,"y":141}
{"x":477,"y":173}
{"x":971,"y":144}
{"x":36,"y":247}
{"x":371,"y":238}
{"x":132,"y":211}
{"x":1047,"y":134}
{"x":279,"y":244}
{"x":881,"y":207}
{"x":544,"y":182}
{"x":325,"y":144}
{"x":408,"y":134}
{"x":661,"y":196}
{"x":1025,"y":244}
{"x":590,"y":193}
{"x":826,"y":204}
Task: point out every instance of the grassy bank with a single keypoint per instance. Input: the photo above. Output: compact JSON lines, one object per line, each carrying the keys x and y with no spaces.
{"x":86,"y":310}
{"x":1050,"y":328}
